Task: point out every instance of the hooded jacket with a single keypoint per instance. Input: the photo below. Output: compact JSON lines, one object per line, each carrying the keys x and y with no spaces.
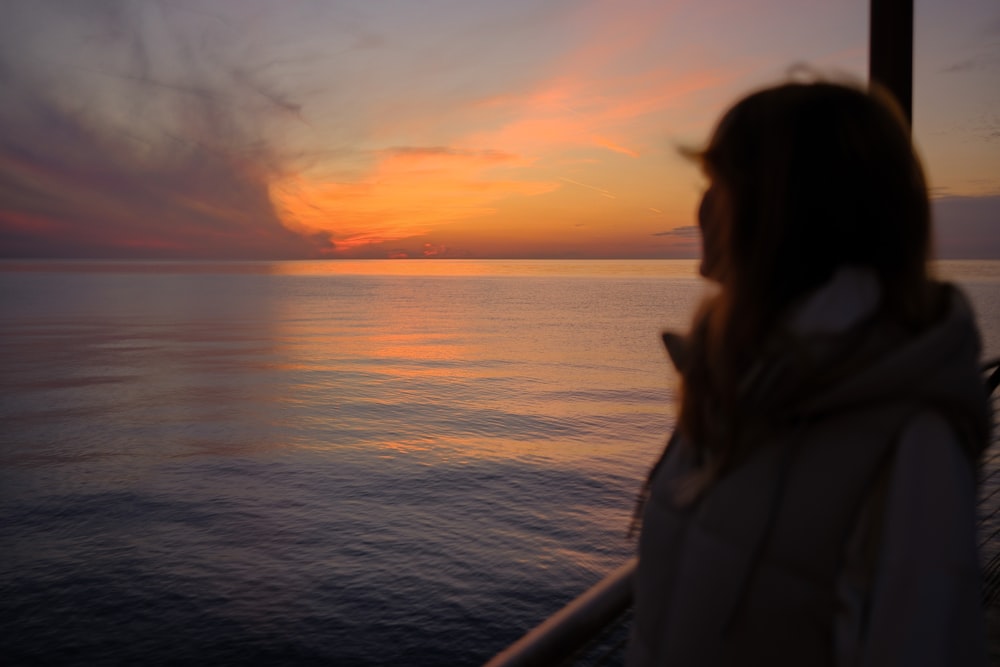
{"x":783,"y":559}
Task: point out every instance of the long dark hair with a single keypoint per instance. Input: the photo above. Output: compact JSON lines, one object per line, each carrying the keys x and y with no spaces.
{"x":806,"y":178}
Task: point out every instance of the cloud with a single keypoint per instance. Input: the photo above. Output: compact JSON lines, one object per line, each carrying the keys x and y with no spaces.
{"x":685,"y":232}
{"x":980,"y":62}
{"x":70,"y":187}
{"x":161,"y":129}
{"x":962,"y":66}
{"x":680,"y":242}
{"x":592,"y":110}
{"x":601,"y":191}
{"x":406,"y":193}
{"x":157,"y":149}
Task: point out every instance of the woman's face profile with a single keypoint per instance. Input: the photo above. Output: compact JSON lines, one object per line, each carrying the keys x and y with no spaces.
{"x":710,"y":221}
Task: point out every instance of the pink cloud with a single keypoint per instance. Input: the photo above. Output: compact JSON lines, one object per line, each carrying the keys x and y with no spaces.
{"x":408,"y":192}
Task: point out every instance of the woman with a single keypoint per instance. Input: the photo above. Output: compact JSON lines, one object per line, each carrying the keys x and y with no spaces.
{"x":815,"y":505}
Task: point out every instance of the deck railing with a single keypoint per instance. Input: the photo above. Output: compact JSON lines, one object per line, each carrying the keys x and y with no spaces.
{"x":564,"y":634}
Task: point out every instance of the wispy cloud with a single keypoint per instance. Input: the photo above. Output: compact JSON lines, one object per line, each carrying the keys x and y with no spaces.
{"x":576,"y":110}
{"x":167,"y":154}
{"x":979,"y":62}
{"x":685,"y":232}
{"x":601,"y":191}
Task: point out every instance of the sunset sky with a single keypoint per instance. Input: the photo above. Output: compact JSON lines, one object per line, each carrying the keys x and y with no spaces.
{"x":462,"y":128}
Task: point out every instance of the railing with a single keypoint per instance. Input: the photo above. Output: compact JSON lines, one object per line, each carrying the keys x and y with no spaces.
{"x":570,"y":630}
{"x":989,"y":503}
{"x":564,"y":633}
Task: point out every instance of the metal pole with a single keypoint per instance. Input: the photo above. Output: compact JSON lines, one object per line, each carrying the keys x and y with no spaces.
{"x":890,"y":50}
{"x":563,"y":633}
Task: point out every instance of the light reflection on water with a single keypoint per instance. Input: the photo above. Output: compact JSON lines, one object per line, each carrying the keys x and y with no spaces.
{"x":296,"y":462}
{"x":250,"y":462}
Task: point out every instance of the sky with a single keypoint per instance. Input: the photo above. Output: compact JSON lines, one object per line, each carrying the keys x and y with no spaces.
{"x":302,"y":129}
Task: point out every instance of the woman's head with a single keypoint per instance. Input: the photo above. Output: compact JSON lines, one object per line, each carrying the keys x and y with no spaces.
{"x":806,"y":178}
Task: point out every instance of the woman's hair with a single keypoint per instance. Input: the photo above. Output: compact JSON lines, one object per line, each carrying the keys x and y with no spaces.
{"x":806,"y":178}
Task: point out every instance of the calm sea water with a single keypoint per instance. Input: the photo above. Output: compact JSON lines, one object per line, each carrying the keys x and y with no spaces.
{"x":357,"y":463}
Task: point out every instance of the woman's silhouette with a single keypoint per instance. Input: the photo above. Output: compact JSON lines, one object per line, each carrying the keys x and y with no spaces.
{"x":815,"y":505}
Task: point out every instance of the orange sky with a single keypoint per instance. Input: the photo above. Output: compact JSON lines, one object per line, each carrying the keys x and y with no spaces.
{"x":257,"y":130}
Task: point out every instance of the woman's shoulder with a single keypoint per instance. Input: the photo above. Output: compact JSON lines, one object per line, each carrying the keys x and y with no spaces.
{"x":924,"y":606}
{"x":932,"y":483}
{"x":929,"y":439}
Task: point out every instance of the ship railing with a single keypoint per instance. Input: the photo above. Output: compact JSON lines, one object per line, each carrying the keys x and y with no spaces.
{"x":592,"y":629}
{"x":562,"y":635}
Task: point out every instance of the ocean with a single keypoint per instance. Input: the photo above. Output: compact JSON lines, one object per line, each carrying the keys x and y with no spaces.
{"x":340,"y":462}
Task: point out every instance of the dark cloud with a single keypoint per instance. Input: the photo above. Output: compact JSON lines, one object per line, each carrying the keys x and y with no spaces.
{"x":984,"y":53}
{"x":962,"y":66}
{"x":136,"y":136}
{"x":685,"y":232}
{"x":415,"y":247}
{"x":980,"y":62}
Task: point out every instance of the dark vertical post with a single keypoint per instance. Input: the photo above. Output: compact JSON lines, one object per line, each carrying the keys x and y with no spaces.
{"x":890,"y":49}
